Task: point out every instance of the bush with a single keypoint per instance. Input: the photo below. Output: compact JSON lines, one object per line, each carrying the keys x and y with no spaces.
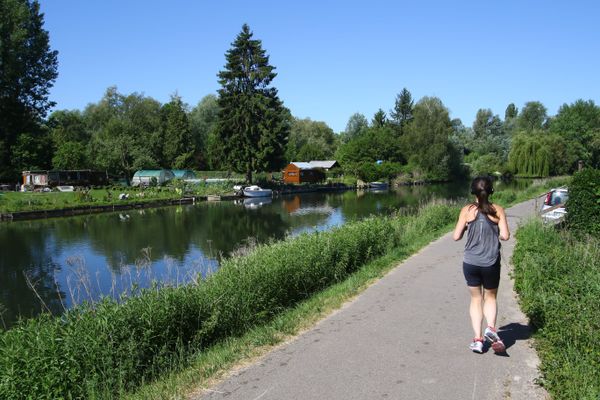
{"x":583,"y":206}
{"x":558,"y":280}
{"x":105,"y":350}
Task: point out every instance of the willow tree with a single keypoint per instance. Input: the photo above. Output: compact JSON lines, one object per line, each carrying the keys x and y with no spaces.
{"x":253,"y":124}
{"x":530,"y":155}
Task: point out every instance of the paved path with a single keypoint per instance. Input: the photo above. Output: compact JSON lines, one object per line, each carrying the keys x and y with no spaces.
{"x":405,"y":337}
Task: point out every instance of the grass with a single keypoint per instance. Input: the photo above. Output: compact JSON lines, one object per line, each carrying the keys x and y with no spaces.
{"x":34,"y":201}
{"x":557,"y":276}
{"x":154,"y":344}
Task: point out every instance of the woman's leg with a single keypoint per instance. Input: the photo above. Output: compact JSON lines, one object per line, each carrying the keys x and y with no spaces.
{"x":476,"y":310}
{"x":490,"y":306}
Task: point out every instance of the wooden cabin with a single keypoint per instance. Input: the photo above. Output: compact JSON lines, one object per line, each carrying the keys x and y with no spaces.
{"x":302,"y":172}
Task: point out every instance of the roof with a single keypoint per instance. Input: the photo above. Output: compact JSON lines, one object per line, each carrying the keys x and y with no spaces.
{"x":151,"y":172}
{"x":323,"y":164}
{"x":183,"y":173}
{"x":303,"y":165}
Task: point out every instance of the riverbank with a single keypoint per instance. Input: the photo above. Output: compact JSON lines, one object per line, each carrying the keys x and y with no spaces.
{"x":23,"y":206}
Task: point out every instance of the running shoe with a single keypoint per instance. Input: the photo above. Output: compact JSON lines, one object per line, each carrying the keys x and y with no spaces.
{"x":497,"y":344}
{"x":477,"y":346}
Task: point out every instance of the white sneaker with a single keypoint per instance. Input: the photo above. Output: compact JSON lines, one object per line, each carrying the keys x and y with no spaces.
{"x":477,"y":346}
{"x":497,"y":344}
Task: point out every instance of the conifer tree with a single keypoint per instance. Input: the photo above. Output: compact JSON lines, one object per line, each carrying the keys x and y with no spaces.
{"x":253,"y":124}
{"x":403,"y":109}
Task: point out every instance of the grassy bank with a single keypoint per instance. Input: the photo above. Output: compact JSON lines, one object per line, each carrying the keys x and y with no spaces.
{"x":558,"y":278}
{"x":110,"y":349}
{"x":28,"y":201}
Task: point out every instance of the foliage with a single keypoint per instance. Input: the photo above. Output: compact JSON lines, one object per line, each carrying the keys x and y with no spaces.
{"x":511,"y":112}
{"x":253,"y":123}
{"x":105,"y":350}
{"x":579,"y":125}
{"x":427,"y":140}
{"x":379,"y":119}
{"x":178,"y":150}
{"x":532,"y":116}
{"x":310,"y":140}
{"x":203,"y":121}
{"x":488,"y":164}
{"x":126,"y":134}
{"x":28,"y":69}
{"x":70,"y":155}
{"x":583,"y":206}
{"x":487,"y":124}
{"x":372,"y":145}
{"x":557,"y":277}
{"x":402,"y":113}
{"x":540,"y":154}
{"x":356,"y":126}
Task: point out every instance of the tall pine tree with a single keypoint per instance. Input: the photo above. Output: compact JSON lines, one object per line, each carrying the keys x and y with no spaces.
{"x":253,"y":123}
{"x":402,"y":113}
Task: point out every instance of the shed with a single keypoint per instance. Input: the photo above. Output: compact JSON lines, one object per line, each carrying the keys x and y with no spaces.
{"x":184,"y":173}
{"x":301,"y":172}
{"x":144,"y":176}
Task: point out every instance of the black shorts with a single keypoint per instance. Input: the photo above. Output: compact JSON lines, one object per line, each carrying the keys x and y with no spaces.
{"x":489,"y":277}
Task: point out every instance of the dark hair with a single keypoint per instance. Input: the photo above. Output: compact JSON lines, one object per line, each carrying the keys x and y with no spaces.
{"x":482,"y":188}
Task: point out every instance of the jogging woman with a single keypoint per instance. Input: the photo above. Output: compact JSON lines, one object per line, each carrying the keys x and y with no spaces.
{"x":485,"y":224}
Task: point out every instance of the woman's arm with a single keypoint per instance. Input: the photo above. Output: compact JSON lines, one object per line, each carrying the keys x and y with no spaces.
{"x":461,"y":224}
{"x":502,"y":223}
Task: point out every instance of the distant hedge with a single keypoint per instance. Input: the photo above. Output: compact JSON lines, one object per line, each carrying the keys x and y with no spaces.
{"x":583,"y":206}
{"x":108,"y":349}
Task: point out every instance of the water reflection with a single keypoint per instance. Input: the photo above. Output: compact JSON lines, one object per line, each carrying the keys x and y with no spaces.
{"x":69,"y":260}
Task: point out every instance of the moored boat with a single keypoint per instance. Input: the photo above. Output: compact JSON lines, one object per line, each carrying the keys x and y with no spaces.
{"x":378,"y":185}
{"x":256,"y":191}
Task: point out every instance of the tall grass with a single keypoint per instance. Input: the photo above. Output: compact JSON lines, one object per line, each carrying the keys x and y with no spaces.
{"x":558,"y":279}
{"x":105,"y":350}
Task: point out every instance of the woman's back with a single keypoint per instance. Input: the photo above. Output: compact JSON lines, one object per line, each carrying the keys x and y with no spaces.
{"x":482,"y":247}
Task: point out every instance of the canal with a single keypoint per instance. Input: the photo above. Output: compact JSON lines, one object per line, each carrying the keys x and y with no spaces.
{"x":55,"y":263}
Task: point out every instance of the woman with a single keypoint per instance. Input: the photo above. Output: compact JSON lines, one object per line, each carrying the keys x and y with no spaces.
{"x":485,"y":224}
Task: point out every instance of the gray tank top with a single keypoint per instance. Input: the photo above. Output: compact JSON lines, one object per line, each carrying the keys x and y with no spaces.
{"x":482,"y":247}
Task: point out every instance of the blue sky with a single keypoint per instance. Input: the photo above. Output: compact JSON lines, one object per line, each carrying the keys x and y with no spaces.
{"x":334,"y":58}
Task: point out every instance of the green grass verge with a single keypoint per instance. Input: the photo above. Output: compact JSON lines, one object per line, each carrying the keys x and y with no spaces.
{"x":557,"y":276}
{"x":18,"y":201}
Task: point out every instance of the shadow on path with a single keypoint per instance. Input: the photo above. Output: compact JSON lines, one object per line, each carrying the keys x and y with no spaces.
{"x":512,"y":332}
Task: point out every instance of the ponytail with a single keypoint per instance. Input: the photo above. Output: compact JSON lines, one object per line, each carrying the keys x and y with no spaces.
{"x":482,"y":188}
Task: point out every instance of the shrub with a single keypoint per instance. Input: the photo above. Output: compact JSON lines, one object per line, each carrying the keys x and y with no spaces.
{"x":583,"y":206}
{"x":558,"y":280}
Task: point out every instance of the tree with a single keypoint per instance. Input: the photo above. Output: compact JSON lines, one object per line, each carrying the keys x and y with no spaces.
{"x":28,"y":69}
{"x":178,"y":148}
{"x":126,"y":133}
{"x":486,"y":123}
{"x":511,"y":112}
{"x":379,"y":119}
{"x":70,"y":155}
{"x":532,"y":116}
{"x":402,"y":113}
{"x":310,"y":140}
{"x":427,"y":140}
{"x":253,"y":123}
{"x":203,"y":120}
{"x":70,"y":138}
{"x":357,"y":124}
{"x":579,"y":124}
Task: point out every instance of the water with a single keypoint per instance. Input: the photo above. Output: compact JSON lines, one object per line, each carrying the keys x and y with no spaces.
{"x":70,"y":260}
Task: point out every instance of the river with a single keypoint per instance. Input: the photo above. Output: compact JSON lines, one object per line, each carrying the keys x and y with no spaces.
{"x":55,"y":263}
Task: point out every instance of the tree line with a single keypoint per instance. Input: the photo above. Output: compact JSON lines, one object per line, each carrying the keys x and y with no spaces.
{"x":246,"y":128}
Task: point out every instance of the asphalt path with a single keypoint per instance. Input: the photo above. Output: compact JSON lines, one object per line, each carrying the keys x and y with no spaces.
{"x":405,"y":337}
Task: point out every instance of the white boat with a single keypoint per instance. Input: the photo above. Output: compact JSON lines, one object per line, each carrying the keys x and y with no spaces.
{"x":65,"y":188}
{"x":256,"y":191}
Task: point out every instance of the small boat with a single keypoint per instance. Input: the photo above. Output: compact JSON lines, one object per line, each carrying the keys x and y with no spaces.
{"x":256,"y":191}
{"x":378,"y":185}
{"x":65,"y":188}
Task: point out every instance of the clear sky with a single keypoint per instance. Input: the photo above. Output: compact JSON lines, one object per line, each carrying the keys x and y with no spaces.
{"x":334,"y":58}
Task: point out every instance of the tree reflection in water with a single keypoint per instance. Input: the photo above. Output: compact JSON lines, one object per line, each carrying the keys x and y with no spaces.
{"x":82,"y":258}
